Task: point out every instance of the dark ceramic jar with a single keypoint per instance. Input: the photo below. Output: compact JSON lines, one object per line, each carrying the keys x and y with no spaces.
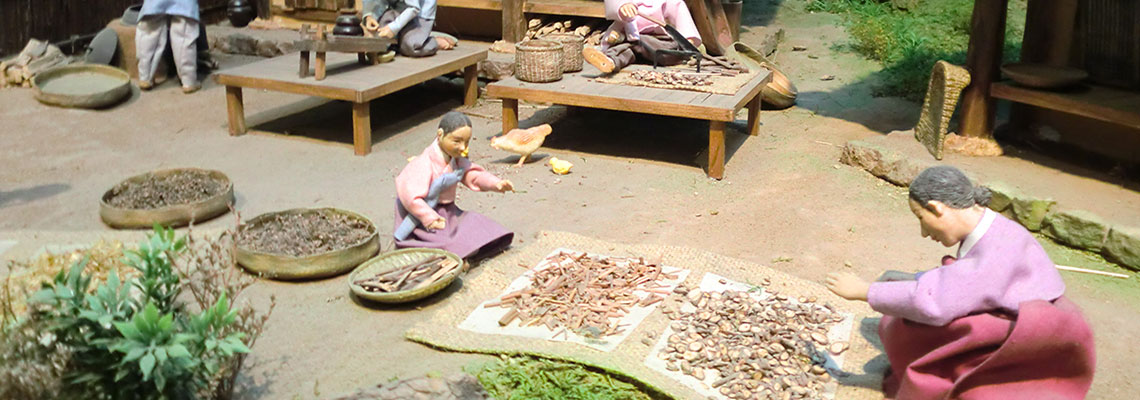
{"x":348,"y":24}
{"x":240,"y":12}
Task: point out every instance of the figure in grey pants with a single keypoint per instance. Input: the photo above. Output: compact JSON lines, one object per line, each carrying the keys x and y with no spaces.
{"x":179,"y":20}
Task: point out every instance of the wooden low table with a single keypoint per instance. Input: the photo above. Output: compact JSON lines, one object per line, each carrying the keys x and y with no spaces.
{"x":352,"y":82}
{"x":576,"y":89}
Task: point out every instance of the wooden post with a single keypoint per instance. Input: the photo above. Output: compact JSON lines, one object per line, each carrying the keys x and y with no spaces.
{"x":983,"y":59}
{"x":514,"y":22}
{"x":320,"y":66}
{"x":304,"y":72}
{"x":716,"y":149}
{"x":361,"y":128}
{"x":470,"y":84}
{"x":754,"y":115}
{"x":510,"y":114}
{"x":320,"y":54}
{"x":235,"y":110}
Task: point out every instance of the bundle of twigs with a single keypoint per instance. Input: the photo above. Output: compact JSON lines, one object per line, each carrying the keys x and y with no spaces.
{"x":409,"y":277}
{"x":585,"y":294}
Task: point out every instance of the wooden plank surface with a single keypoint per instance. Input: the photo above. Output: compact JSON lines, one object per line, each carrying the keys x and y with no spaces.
{"x":576,"y":89}
{"x":347,"y":79}
{"x":580,"y":8}
{"x":1096,"y":102}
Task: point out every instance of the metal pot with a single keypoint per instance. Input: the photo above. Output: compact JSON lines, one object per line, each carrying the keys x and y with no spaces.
{"x":240,"y":12}
{"x":348,"y":24}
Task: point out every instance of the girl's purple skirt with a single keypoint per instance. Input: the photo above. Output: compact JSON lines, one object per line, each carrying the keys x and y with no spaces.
{"x":465,"y":234}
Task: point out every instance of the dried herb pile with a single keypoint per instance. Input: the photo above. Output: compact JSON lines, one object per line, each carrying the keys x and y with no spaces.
{"x":583,"y":294}
{"x":409,"y":277}
{"x":758,"y":349}
{"x":182,"y":187}
{"x":304,"y":234}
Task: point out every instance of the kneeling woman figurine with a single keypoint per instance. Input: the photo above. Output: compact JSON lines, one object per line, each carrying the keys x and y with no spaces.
{"x":990,"y":322}
{"x":426,"y":214}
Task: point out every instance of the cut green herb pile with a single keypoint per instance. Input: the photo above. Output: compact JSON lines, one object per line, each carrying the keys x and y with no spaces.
{"x":531,"y":378}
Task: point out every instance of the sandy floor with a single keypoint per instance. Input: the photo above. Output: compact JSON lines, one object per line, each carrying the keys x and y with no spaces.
{"x":785,"y":201}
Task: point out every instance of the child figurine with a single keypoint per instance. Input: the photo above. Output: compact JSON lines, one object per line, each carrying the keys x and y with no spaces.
{"x":632,"y":36}
{"x":410,"y":21}
{"x":949,"y":332}
{"x":180,"y":19}
{"x":426,"y":214}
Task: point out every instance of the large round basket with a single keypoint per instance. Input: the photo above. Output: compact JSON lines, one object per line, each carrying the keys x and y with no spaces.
{"x":538,"y":61}
{"x":571,"y":50}
{"x":395,"y":259}
{"x":82,"y":85}
{"x":169,"y":216}
{"x":287,"y":267}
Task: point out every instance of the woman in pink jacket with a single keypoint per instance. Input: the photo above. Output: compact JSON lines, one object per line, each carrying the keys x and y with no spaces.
{"x":426,"y":214}
{"x":990,"y":322}
{"x":632,"y":36}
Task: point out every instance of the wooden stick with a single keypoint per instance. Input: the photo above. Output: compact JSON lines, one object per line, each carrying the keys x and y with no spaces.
{"x":1091,"y":271}
{"x":445,"y":268}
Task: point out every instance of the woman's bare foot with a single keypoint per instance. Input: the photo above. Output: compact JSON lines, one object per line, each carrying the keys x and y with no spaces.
{"x":444,"y":43}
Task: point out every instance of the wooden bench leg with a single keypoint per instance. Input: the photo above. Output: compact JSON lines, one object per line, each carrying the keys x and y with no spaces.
{"x":235,"y":110}
{"x":361,"y":58}
{"x":304,"y":72}
{"x":470,"y":84}
{"x":361,"y":128}
{"x":716,"y":149}
{"x":320,"y":65}
{"x":510,"y":114}
{"x":754,"y":115}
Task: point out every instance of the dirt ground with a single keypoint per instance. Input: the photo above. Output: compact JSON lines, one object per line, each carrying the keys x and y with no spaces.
{"x":785,"y":200}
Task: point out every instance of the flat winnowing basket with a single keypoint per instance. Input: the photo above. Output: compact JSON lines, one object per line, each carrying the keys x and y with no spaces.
{"x":571,"y":50}
{"x":538,"y":61}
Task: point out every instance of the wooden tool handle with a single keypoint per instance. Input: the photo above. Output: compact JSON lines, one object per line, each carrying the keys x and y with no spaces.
{"x":653,"y":20}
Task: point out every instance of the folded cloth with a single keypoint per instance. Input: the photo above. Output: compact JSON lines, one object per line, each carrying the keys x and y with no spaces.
{"x":1045,"y":353}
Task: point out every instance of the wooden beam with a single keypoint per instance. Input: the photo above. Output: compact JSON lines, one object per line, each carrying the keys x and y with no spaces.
{"x":514,"y":22}
{"x":361,"y":128}
{"x":983,"y":59}
{"x":235,"y":110}
{"x":716,"y":150}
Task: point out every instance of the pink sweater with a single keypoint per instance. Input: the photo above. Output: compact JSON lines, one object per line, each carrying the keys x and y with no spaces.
{"x":673,"y":12}
{"x":1005,"y":268}
{"x":413,"y":182}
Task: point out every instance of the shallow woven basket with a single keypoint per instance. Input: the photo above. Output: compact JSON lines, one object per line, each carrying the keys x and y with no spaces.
{"x":538,"y":61}
{"x":282,"y":266}
{"x":395,"y":259}
{"x":172,"y":216}
{"x":946,"y":83}
{"x":571,"y":50}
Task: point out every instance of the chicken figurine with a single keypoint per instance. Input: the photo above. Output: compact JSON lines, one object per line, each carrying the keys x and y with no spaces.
{"x":523,"y":142}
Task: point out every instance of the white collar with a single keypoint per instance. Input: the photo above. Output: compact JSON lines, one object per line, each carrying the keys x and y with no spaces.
{"x":980,"y":230}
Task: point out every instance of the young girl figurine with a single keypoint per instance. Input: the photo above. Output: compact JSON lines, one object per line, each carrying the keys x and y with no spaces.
{"x":426,"y":214}
{"x":990,"y":322}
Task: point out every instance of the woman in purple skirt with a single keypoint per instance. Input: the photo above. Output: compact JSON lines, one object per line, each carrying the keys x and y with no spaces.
{"x":426,"y":214}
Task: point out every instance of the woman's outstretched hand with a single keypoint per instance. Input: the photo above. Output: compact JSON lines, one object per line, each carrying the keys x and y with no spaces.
{"x":848,"y":286}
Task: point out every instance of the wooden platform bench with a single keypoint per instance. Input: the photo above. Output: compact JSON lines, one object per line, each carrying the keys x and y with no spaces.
{"x":577,"y":89}
{"x":353,"y":82}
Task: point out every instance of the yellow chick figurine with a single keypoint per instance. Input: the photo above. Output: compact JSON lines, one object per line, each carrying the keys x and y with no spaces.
{"x":560,"y":167}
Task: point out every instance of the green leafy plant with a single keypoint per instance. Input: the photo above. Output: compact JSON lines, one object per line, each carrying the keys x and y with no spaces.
{"x":126,"y":339}
{"x":159,"y":282}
